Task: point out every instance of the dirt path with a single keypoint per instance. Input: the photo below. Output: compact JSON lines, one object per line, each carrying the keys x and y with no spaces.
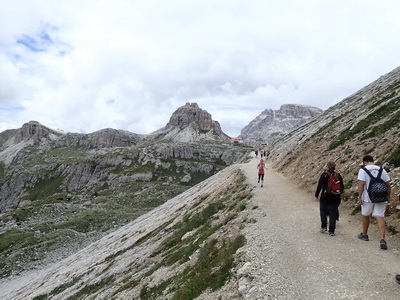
{"x":288,"y":258}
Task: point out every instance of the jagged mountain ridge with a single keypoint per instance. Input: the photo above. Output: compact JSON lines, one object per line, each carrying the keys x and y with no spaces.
{"x":271,"y":125}
{"x":188,"y":124}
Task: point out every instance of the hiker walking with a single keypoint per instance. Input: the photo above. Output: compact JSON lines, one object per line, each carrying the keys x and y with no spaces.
{"x":371,"y":203}
{"x":330,"y":187}
{"x":261,"y":167}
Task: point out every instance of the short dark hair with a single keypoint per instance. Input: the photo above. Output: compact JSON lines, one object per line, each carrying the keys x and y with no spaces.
{"x":368,"y":158}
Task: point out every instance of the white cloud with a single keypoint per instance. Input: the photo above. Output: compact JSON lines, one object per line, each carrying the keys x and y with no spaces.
{"x":127,"y":64}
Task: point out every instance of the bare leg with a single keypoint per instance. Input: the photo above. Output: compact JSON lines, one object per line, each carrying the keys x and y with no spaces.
{"x":381,"y":227}
{"x":365,"y":224}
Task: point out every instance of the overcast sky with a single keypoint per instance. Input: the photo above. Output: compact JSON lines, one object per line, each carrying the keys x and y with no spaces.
{"x":85,"y":65}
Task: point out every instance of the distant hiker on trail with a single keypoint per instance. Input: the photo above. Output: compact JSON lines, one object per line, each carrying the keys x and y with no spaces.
{"x":373,"y":196}
{"x":256,"y":152}
{"x":261,"y":167}
{"x":330,"y":185}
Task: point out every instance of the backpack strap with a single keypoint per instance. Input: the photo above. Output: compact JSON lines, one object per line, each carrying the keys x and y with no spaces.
{"x":380,"y":173}
{"x":370,"y":175}
{"x":368,"y":172}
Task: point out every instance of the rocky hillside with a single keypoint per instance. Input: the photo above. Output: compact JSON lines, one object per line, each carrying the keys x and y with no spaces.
{"x":271,"y":125}
{"x":367,"y":122}
{"x":184,"y":248}
{"x":61,"y":191}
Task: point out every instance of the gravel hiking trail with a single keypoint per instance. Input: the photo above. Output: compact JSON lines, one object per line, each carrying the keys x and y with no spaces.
{"x":287,"y":257}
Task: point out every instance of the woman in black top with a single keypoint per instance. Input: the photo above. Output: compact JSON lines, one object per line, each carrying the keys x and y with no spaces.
{"x":329,"y":201}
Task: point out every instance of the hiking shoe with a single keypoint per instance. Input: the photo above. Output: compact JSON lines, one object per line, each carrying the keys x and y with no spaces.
{"x":324,"y":230}
{"x":363,"y":237}
{"x":331,"y":233}
{"x":397,"y":278}
{"x":383,"y":244}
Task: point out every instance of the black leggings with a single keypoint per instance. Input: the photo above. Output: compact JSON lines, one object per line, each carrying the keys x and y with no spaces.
{"x":261,"y":177}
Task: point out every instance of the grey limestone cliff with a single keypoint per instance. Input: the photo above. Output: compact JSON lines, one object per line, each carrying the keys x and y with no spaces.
{"x":271,"y":125}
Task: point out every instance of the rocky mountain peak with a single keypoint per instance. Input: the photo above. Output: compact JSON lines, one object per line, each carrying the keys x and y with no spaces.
{"x":271,"y":125}
{"x":14,"y":140}
{"x":191,"y":114}
{"x":191,"y":123}
{"x":32,"y":130}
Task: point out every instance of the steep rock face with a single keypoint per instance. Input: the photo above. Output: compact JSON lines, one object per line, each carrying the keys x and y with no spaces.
{"x":190,"y":123}
{"x":33,"y":131}
{"x":14,"y":140}
{"x":191,"y":114}
{"x":271,"y":125}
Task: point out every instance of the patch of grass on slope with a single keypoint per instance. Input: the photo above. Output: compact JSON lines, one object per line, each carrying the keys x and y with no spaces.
{"x":365,"y":124}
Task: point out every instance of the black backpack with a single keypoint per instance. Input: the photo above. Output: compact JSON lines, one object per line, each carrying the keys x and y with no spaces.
{"x":377,"y":189}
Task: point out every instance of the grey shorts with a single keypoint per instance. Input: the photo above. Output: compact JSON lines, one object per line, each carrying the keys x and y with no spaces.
{"x":373,"y":209}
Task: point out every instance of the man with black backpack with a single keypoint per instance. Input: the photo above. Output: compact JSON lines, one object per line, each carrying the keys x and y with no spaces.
{"x":373,"y":196}
{"x":331,"y":185}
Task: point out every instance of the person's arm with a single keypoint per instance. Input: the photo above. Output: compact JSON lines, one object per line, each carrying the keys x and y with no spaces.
{"x":319,"y":186}
{"x":361,"y":185}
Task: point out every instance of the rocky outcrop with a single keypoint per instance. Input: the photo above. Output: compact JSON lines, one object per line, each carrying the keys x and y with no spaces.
{"x":271,"y":125}
{"x":14,"y":140}
{"x":190,"y":123}
{"x":33,"y":131}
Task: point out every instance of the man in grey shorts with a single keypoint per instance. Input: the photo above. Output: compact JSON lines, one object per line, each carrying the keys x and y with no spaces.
{"x":376,"y":210}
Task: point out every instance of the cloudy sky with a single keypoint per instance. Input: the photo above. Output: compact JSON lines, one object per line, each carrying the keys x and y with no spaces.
{"x":85,"y":65}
